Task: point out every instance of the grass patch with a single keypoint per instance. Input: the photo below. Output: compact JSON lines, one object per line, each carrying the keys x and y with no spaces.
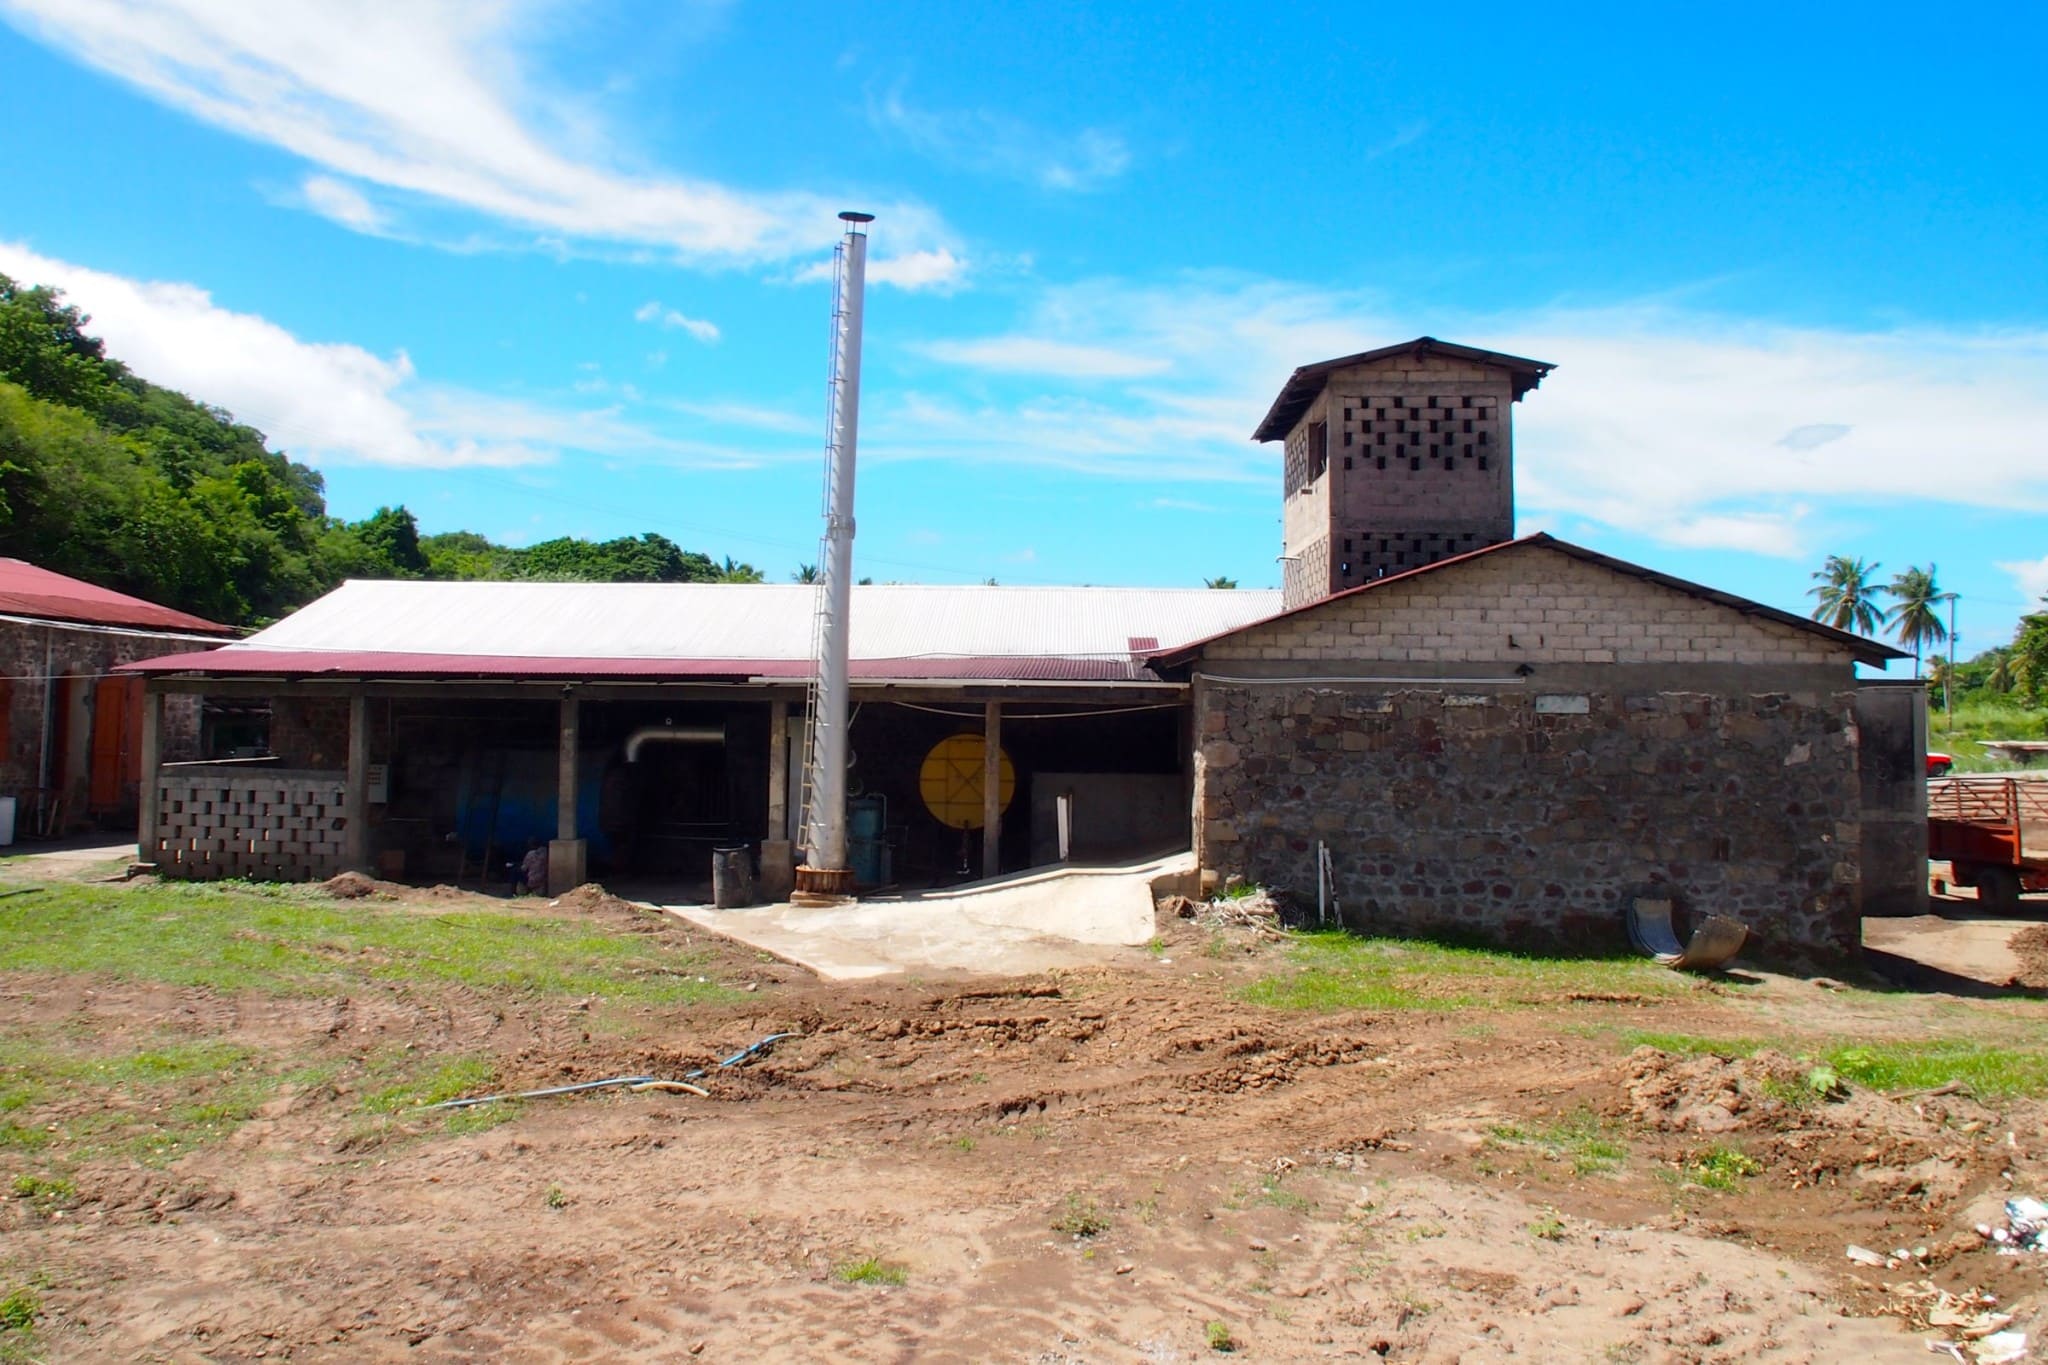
{"x":1334,"y":970}
{"x":1977,"y":719}
{"x":1991,"y":1071}
{"x":19,"y":1310}
{"x":1548,"y":1227}
{"x":277,"y":940}
{"x":1081,"y":1216}
{"x":1579,"y":1137}
{"x":445,"y":1080}
{"x":870,"y":1270}
{"x":1219,"y":1336}
{"x":1721,"y":1168}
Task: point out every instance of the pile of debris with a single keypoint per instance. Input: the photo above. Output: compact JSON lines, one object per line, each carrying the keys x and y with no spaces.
{"x":1251,"y":909}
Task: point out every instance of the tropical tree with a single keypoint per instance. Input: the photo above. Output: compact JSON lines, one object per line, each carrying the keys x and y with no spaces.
{"x":1914,"y":617}
{"x":1220,"y":581}
{"x":805,"y":573}
{"x":1847,"y":597}
{"x":732,"y":571}
{"x":1999,"y":679}
{"x":2029,"y":660}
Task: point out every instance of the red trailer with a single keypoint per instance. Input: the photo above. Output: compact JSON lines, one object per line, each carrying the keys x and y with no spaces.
{"x":1993,"y":834}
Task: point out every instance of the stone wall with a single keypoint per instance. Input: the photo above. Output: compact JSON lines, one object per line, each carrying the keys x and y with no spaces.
{"x":1534,"y":817}
{"x":73,"y":661}
{"x":1891,"y":722}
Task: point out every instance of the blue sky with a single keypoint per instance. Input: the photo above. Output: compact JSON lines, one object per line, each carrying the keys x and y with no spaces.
{"x":544,"y":269}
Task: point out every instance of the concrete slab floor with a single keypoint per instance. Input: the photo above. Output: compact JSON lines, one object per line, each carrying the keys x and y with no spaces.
{"x":1025,"y":922}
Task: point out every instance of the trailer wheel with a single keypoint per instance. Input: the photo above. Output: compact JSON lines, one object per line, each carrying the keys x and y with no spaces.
{"x":1998,"y":889}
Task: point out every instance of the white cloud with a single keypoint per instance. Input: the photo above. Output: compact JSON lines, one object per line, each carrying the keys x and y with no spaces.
{"x":1000,"y":144}
{"x":938,"y":270}
{"x":431,"y":103}
{"x":2031,"y":576}
{"x":1686,"y":427}
{"x":343,"y":202}
{"x":653,"y":312}
{"x":325,"y":401}
{"x":751,"y":416}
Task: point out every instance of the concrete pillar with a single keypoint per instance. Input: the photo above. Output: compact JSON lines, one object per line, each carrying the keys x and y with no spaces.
{"x":992,"y":789}
{"x":355,"y":850}
{"x":778,"y":853}
{"x":152,"y":777}
{"x":568,"y":855}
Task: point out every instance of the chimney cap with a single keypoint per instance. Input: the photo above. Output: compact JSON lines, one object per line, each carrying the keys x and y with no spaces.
{"x":855,"y":216}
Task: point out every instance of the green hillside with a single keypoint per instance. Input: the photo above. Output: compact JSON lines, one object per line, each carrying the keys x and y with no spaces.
{"x":118,"y":481}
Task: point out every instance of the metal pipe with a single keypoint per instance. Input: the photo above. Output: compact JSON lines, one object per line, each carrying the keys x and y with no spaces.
{"x":671,"y":734}
{"x":825,"y":832}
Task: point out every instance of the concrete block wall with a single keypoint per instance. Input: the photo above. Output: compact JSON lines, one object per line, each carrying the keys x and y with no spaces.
{"x":262,"y":823}
{"x":1421,"y":454}
{"x":1528,"y":604}
{"x":1535,"y":818}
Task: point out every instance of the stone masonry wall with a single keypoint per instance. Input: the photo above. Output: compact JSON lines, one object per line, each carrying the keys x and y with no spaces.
{"x":1527,"y":604}
{"x":1534,"y":818}
{"x":77,"y":659}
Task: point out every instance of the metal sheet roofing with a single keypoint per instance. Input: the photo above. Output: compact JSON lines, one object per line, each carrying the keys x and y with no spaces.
{"x":718,"y":630}
{"x":26,"y":590}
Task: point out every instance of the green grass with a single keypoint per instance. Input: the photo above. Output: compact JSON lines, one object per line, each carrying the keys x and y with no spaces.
{"x":1991,"y":1071}
{"x":1547,"y":1227}
{"x":1081,"y":1216}
{"x":19,"y":1310}
{"x":1721,"y":1168}
{"x":1333,"y":970}
{"x":1219,"y":1336}
{"x":292,"y":941}
{"x":1976,"y":720}
{"x":430,"y":1081}
{"x":870,"y":1270}
{"x":1579,"y":1137}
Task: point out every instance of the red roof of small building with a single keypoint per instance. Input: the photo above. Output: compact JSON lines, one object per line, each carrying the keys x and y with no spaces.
{"x":26,"y":590}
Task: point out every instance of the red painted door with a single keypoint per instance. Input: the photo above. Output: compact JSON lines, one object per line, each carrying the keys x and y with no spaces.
{"x":116,"y":744}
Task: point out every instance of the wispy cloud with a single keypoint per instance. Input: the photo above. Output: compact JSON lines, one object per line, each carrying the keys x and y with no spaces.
{"x":432,"y":106}
{"x":1677,"y":424}
{"x":940,"y":271}
{"x":2031,"y":577}
{"x":342,"y":202}
{"x":332,"y":401}
{"x":1000,"y":144}
{"x":652,"y":312}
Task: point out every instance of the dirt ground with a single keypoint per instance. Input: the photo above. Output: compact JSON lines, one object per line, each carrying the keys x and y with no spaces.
{"x":1125,"y":1163}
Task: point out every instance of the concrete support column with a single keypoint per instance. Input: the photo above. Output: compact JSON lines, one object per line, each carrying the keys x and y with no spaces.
{"x":152,"y":777}
{"x":355,"y":849}
{"x":568,"y":854}
{"x":778,"y":854}
{"x":992,"y":789}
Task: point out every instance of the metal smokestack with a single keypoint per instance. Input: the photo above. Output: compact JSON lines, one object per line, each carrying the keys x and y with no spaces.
{"x":825,"y":870}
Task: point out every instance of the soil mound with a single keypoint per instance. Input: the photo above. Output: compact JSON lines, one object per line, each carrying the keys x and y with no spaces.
{"x":593,"y":900}
{"x":350,"y":886}
{"x":2030,"y":946}
{"x":1673,"y":1093}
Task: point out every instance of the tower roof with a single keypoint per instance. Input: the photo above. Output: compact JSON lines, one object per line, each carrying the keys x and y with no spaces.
{"x":1304,"y":384}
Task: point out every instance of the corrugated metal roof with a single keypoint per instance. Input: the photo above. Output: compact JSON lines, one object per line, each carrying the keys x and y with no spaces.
{"x":26,"y":590}
{"x":1304,"y":384}
{"x":702,"y":630}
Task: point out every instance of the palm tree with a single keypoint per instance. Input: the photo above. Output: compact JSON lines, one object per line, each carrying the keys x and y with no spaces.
{"x":1913,"y":618}
{"x":732,"y":571}
{"x":1999,"y":679}
{"x":1220,"y":581}
{"x":805,"y":573}
{"x":1848,"y":599}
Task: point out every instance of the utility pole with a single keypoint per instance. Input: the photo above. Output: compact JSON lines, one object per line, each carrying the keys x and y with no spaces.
{"x":1948,"y":675}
